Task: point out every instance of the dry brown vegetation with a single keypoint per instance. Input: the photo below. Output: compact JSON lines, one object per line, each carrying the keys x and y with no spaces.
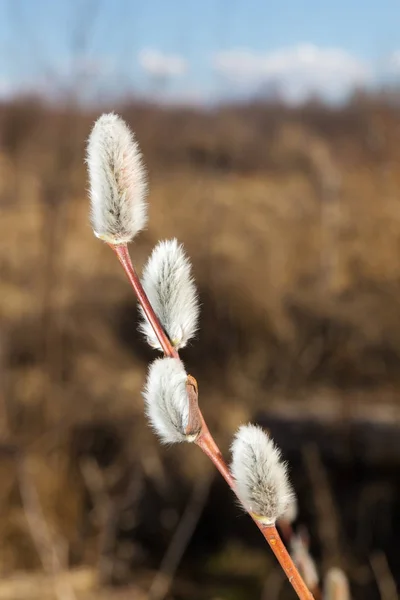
{"x":292,"y":221}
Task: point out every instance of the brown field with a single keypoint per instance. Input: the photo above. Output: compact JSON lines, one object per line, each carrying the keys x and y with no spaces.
{"x":292,"y":220}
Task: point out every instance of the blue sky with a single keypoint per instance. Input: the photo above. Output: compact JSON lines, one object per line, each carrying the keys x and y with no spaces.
{"x":199,"y":49}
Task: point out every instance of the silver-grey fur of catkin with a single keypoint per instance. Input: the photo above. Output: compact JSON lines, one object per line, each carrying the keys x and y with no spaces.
{"x":291,"y":512}
{"x":166,"y":400}
{"x":169,"y":285}
{"x":260,"y":474}
{"x":117,"y":179}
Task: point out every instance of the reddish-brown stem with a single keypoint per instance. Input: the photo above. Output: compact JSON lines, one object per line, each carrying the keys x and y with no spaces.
{"x":121,"y":250}
{"x":205,"y":441}
{"x":278,"y":547}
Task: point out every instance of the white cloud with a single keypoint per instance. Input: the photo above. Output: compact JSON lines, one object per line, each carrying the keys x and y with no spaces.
{"x":162,"y":65}
{"x":296,"y":71}
{"x":10,"y":88}
{"x":393,"y":63}
{"x":5,"y":88}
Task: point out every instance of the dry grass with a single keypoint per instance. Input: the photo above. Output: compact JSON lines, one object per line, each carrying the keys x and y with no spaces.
{"x":292,"y":220}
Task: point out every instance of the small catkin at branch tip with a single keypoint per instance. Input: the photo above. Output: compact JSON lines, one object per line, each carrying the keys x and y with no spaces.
{"x":260,"y":474}
{"x":304,"y":562}
{"x":336,"y":585}
{"x":117,"y":178}
{"x":169,"y":285}
{"x":166,"y":400}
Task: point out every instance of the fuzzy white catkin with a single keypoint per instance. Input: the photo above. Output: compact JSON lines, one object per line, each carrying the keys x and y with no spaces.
{"x":117,"y":181}
{"x":291,"y":512}
{"x":260,"y":474}
{"x":169,"y":285}
{"x":166,"y":400}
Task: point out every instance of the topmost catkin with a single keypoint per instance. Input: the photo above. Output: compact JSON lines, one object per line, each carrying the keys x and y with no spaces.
{"x":117,"y":178}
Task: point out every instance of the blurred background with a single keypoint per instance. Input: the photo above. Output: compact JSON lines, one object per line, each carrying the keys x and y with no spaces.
{"x":271,"y":134}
